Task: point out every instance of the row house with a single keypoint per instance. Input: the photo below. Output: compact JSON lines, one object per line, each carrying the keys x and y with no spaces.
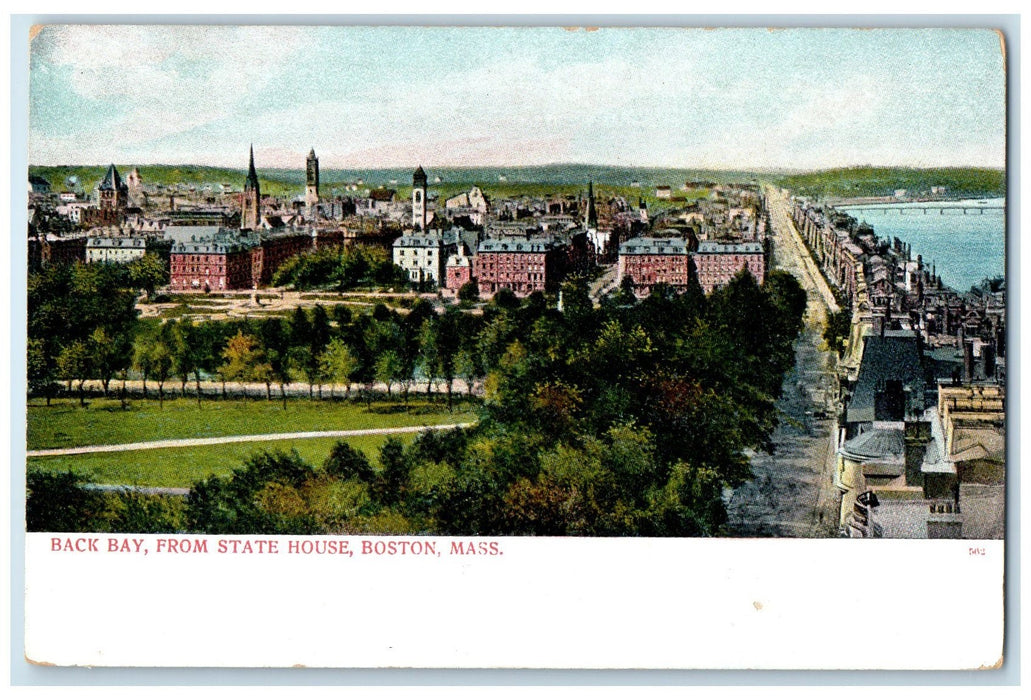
{"x":424,"y":255}
{"x":649,"y":261}
{"x":211,"y":258}
{"x":215,"y":264}
{"x":717,"y":263}
{"x":272,"y":250}
{"x":839,"y":255}
{"x":73,"y":211}
{"x":459,"y":269}
{"x":51,"y":249}
{"x":519,"y":264}
{"x":120,"y":249}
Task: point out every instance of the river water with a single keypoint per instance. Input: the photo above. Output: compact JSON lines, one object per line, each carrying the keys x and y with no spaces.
{"x":965,"y":248}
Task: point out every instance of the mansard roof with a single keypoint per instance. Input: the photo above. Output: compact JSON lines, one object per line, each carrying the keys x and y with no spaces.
{"x":517,"y":245}
{"x":645,"y":245}
{"x":718,"y":247}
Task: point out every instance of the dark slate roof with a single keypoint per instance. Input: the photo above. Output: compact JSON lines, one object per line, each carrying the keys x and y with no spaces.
{"x":419,"y":177}
{"x":209,"y":247}
{"x":879,"y":443}
{"x":223,"y":241}
{"x":420,"y":241}
{"x":717,"y":247}
{"x":654,"y":246}
{"x":516,"y":245}
{"x":893,"y":356}
{"x":191,"y":233}
{"x":112,"y":180}
{"x":117,"y":242}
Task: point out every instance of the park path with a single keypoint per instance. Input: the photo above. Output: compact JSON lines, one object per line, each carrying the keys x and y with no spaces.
{"x":194,"y":442}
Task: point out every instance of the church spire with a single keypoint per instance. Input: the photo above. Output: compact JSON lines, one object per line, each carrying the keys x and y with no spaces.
{"x":250,"y":203}
{"x":592,"y":211}
{"x":252,"y":175}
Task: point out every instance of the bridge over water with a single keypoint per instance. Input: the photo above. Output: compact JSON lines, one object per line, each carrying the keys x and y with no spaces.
{"x":940,"y":208}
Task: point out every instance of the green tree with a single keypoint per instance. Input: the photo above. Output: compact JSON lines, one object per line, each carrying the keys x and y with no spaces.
{"x":390,"y":484}
{"x":108,"y":356}
{"x":60,"y":502}
{"x":75,"y":364}
{"x":261,"y":497}
{"x":161,"y":367}
{"x":389,"y":368}
{"x":142,"y":351}
{"x":40,"y":369}
{"x":245,"y":362}
{"x":447,"y":340}
{"x":346,"y":462}
{"x":470,"y":291}
{"x":187,"y":349}
{"x":339,"y":364}
{"x":275,"y":341}
{"x":148,"y":273}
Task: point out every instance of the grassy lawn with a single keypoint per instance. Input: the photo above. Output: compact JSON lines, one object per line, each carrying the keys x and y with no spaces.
{"x":104,"y":422}
{"x":181,"y":467}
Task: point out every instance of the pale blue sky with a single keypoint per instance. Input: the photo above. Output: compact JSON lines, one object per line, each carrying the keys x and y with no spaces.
{"x":394,"y":96}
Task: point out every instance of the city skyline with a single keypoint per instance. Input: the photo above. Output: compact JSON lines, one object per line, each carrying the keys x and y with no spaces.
{"x":382,"y":97}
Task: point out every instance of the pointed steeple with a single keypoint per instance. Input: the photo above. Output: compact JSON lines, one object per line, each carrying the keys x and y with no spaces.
{"x":252,"y":175}
{"x":250,"y":203}
{"x":112,"y":180}
{"x":592,"y":212}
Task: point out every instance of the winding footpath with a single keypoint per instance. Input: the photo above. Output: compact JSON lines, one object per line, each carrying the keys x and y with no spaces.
{"x":193,"y":442}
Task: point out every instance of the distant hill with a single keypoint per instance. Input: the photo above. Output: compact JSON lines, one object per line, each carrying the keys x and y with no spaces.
{"x":558,"y":178}
{"x":493,"y":177}
{"x":882,"y":182}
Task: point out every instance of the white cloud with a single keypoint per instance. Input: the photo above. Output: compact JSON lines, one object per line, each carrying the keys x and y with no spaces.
{"x":678,"y":97}
{"x":168,"y":80}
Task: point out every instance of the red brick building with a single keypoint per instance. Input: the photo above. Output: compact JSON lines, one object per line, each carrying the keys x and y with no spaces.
{"x":458,"y":270}
{"x":273,"y":251}
{"x":210,"y":265}
{"x":650,"y":261}
{"x":218,"y":259}
{"x":521,"y":265}
{"x":58,"y":250}
{"x":717,"y":263}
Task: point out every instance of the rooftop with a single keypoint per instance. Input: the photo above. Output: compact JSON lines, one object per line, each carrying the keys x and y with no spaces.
{"x":718,"y":247}
{"x":654,"y":246}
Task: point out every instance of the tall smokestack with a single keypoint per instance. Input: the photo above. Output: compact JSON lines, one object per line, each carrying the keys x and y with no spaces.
{"x":968,"y":361}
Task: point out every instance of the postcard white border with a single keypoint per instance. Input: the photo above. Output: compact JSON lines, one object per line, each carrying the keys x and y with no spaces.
{"x":136,"y":574}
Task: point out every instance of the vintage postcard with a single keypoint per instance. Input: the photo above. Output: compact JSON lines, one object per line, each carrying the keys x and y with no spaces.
{"x":520,"y":347}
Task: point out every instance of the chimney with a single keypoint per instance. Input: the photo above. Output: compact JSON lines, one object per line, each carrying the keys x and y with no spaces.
{"x":988,"y":353}
{"x":968,"y":361}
